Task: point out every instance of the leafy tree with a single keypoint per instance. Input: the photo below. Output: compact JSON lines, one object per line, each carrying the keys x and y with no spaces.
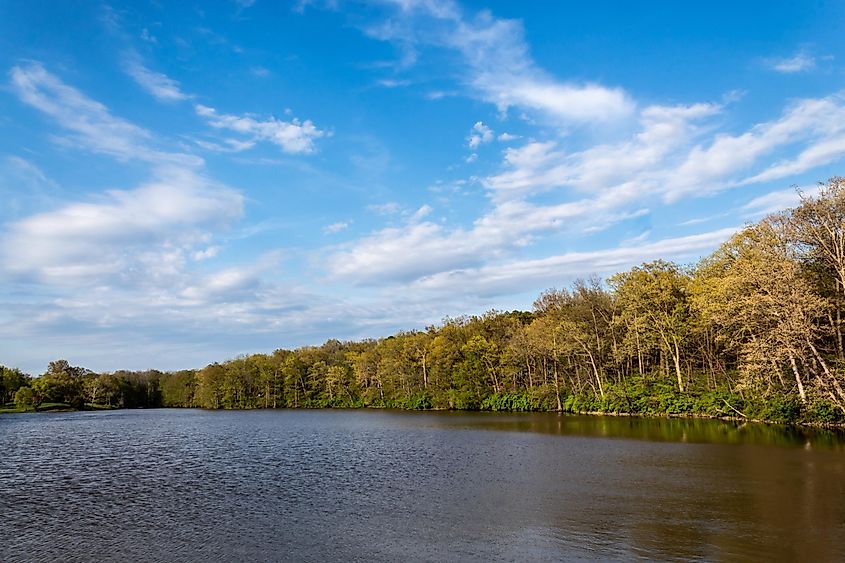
{"x":653,"y":297}
{"x":25,"y":398}
{"x":754,"y":291}
{"x":11,"y":379}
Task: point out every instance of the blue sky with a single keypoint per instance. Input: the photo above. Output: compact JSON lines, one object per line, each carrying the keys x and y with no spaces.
{"x":183,"y":183}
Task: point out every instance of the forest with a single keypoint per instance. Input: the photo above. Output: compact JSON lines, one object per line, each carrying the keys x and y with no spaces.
{"x":752,"y":331}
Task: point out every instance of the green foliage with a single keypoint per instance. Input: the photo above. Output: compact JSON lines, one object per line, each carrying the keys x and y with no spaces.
{"x":781,"y":409}
{"x":418,"y":402}
{"x":516,"y":402}
{"x":463,"y":400}
{"x":177,"y":389}
{"x":25,"y":399}
{"x":11,"y":379}
{"x":824,"y":412}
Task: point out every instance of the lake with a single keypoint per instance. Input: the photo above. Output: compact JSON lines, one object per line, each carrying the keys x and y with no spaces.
{"x":184,"y":485}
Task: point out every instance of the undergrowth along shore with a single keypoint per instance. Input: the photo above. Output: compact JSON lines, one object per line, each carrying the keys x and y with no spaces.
{"x":647,"y":399}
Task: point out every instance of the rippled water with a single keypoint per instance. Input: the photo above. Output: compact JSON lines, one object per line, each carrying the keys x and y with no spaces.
{"x":171,"y":485}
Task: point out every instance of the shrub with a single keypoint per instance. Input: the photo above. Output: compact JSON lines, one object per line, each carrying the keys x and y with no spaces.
{"x":515,"y":402}
{"x":418,"y":402}
{"x":463,"y":400}
{"x":822,"y":410}
{"x":781,"y":409}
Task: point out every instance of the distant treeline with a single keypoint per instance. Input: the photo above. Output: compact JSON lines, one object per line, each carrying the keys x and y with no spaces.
{"x":754,"y":330}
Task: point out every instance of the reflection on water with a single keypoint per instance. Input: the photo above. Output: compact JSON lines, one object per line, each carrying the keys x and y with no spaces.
{"x":171,"y":485}
{"x":693,"y":430}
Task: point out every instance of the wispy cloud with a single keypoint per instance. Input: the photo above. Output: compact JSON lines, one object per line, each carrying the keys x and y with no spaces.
{"x":496,"y":57}
{"x":799,"y":62}
{"x":513,"y":276}
{"x":90,"y":124}
{"x":89,"y":121}
{"x":294,"y":136}
{"x":155,"y":83}
{"x":336,"y":227}
{"x":393,"y":83}
{"x":389,"y":208}
{"x":776,"y":201}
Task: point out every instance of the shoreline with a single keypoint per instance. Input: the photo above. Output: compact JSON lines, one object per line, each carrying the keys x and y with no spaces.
{"x":691,"y":416}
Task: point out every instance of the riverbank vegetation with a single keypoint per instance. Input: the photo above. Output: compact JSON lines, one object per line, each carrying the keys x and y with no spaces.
{"x":754,"y":330}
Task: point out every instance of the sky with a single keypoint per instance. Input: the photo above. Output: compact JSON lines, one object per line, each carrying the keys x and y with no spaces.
{"x":184,"y":182}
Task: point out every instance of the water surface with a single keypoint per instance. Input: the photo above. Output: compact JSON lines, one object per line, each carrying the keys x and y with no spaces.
{"x":180,"y":485}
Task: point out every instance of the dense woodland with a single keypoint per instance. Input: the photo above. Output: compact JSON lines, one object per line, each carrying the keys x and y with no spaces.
{"x":755,"y":330}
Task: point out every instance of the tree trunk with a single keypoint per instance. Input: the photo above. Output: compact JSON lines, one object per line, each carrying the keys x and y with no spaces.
{"x":677,"y":357}
{"x":425,"y":372}
{"x":830,"y":376}
{"x":557,"y":390}
{"x":801,"y":392}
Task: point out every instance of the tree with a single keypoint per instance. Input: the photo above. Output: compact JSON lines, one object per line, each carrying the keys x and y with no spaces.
{"x":178,"y":389}
{"x":817,"y":226}
{"x":754,"y":290}
{"x":210,"y":386}
{"x":25,"y":398}
{"x":653,"y":298}
{"x":11,"y":379}
{"x":61,"y":383}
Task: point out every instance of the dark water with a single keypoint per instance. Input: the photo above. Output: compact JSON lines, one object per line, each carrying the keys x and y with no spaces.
{"x":171,"y":485}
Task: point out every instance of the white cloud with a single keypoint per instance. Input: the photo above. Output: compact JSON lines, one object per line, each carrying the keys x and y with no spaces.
{"x":480,"y":134}
{"x":516,"y":276}
{"x":505,"y":137}
{"x":336,"y":227}
{"x":422,"y":212}
{"x":92,"y":124}
{"x":672,"y":154}
{"x":206,"y":253}
{"x":121,"y":233}
{"x":823,"y":151}
{"x":675,"y":154}
{"x":156,"y":84}
{"x":499,"y":67}
{"x":389,"y":208}
{"x":813,"y":125}
{"x":393,"y":83}
{"x":776,"y":201}
{"x":395,"y":254}
{"x":135,"y":241}
{"x":225,"y":145}
{"x":295,"y":136}
{"x":573,"y":183}
{"x":799,"y":62}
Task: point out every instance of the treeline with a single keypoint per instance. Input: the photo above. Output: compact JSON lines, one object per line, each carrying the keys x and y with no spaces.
{"x":64,"y":385}
{"x":754,"y":330}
